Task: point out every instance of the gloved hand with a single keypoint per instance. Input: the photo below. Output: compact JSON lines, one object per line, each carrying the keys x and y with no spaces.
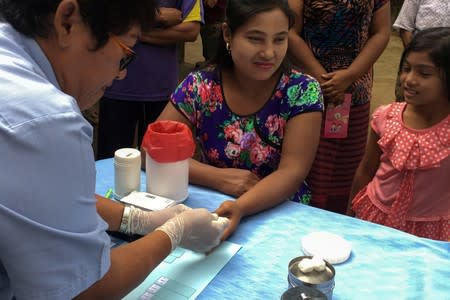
{"x":196,"y":229}
{"x":143,"y":222}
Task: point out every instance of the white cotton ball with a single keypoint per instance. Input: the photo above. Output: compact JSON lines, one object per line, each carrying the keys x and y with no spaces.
{"x":306,"y":265}
{"x":317,"y":259}
{"x":320,"y":268}
{"x":319,"y":263}
{"x":223,"y":222}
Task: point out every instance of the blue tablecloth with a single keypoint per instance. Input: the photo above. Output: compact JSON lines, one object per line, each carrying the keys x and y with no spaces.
{"x":384,"y":264}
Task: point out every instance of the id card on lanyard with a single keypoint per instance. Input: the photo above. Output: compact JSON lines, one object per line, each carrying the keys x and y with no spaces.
{"x":336,"y":119}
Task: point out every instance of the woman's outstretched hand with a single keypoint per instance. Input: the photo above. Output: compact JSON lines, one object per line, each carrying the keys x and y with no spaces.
{"x":231,"y":210}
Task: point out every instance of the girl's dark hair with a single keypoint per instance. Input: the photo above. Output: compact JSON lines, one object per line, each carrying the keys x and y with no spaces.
{"x":238,"y":12}
{"x":33,"y":18}
{"x":436,"y":42}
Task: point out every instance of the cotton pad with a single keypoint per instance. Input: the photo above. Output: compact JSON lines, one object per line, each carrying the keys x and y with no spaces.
{"x":329,"y":246}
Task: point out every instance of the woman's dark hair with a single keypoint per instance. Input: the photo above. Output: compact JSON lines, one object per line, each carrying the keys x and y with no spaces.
{"x":436,"y":42}
{"x":33,"y":18}
{"x":238,"y":12}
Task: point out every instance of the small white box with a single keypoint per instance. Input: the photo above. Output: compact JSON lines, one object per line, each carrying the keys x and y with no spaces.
{"x":148,"y":201}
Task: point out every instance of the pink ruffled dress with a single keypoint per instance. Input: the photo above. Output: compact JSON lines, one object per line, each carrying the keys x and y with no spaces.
{"x":411,"y":188}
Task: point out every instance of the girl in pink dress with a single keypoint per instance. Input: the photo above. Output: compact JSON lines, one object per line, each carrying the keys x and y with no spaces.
{"x":403,"y":179}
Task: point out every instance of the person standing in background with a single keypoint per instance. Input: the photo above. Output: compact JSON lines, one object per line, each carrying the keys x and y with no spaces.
{"x":210,"y":31}
{"x":137,"y":100}
{"x":337,"y":42}
{"x":417,"y":15}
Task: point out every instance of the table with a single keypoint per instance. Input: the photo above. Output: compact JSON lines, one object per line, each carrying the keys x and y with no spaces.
{"x":385,"y":263}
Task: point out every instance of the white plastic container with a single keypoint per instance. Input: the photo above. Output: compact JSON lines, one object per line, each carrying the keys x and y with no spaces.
{"x":168,"y":146}
{"x":169,"y":179}
{"x":127,"y":172}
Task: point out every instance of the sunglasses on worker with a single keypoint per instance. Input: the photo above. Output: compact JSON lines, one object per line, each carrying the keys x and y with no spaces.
{"x":130,"y":55}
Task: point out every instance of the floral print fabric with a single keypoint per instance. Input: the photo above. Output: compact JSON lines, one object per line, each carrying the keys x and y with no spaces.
{"x":251,"y":142}
{"x":336,"y":32}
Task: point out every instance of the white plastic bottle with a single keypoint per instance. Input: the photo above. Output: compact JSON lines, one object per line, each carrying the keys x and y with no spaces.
{"x":127,"y":172}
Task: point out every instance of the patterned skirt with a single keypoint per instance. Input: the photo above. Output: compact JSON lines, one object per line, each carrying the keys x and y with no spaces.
{"x":336,"y":162}
{"x":364,"y":209}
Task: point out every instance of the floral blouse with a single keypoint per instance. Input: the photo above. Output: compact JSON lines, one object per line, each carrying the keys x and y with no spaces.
{"x":251,"y":142}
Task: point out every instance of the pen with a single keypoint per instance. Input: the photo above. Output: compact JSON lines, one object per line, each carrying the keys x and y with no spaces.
{"x":109,"y":193}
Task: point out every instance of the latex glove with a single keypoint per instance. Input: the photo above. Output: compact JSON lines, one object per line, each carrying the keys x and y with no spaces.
{"x":143,"y":222}
{"x":196,"y":229}
{"x":231,"y":210}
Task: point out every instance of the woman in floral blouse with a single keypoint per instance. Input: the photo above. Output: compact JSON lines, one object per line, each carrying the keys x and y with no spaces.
{"x":256,"y":120}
